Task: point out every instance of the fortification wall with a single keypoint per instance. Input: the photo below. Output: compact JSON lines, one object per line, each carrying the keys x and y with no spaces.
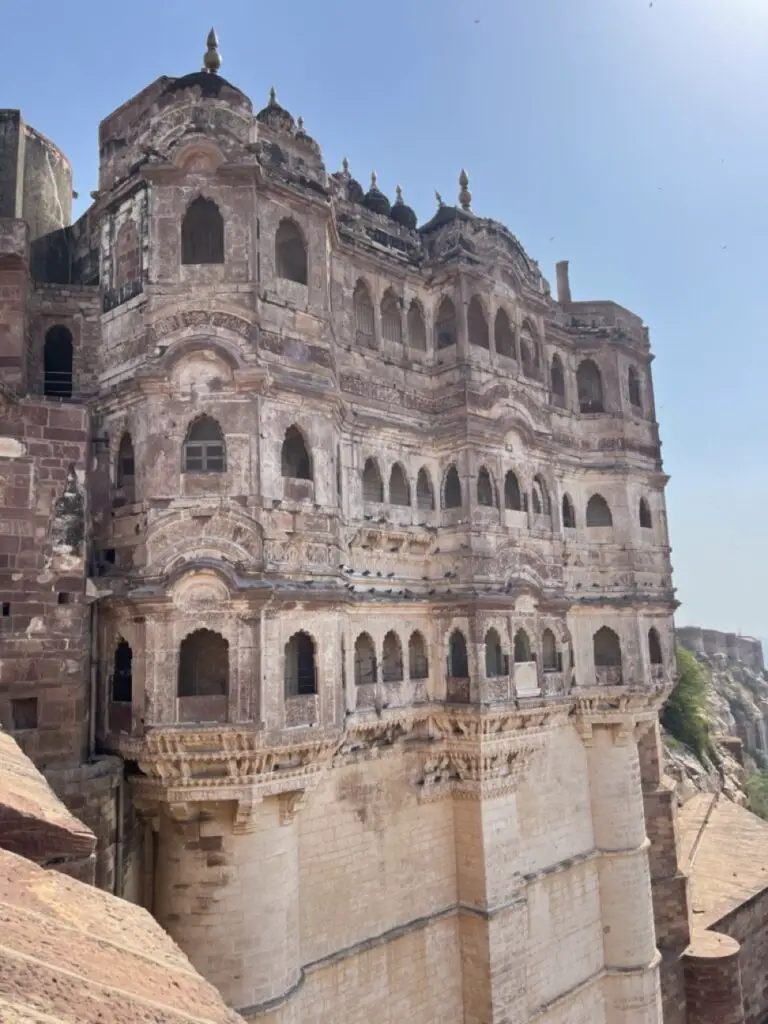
{"x":732,"y":646}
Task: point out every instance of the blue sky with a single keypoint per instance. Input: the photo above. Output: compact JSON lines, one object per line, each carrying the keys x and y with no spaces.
{"x":630,"y":139}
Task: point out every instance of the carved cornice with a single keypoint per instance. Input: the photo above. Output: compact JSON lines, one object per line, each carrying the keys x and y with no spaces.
{"x":626,"y":712}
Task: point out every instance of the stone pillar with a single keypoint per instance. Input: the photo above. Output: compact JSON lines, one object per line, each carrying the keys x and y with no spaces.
{"x":226,"y":889}
{"x":713,"y":980}
{"x":563,"y":283}
{"x":632,"y":989}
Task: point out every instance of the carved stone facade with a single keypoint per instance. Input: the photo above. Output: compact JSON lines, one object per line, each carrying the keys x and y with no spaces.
{"x":379,"y":576}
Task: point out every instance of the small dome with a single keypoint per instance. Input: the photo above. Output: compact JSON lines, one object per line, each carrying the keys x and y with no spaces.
{"x":355,"y":191}
{"x":375,"y":200}
{"x":401,"y":213}
{"x":275,"y":116}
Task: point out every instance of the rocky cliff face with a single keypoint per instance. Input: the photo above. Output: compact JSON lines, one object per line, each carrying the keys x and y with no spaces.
{"x":737,"y":709}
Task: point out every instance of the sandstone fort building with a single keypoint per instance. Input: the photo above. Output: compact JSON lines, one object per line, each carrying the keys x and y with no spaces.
{"x":335,"y":578}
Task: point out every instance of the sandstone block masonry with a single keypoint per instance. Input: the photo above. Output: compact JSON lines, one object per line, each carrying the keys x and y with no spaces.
{"x":372,"y":600}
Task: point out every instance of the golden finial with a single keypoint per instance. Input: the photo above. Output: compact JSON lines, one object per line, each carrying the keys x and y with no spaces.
{"x":465,"y":196}
{"x":439,"y":199}
{"x":212,"y":58}
{"x":345,"y":165}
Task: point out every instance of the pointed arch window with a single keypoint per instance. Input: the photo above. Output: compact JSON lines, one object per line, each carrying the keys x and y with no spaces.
{"x":486,"y":492}
{"x":458,"y":660}
{"x":392,"y":659}
{"x":569,"y":513}
{"x":599,"y":511}
{"x":550,"y":658}
{"x":300,"y":666}
{"x":204,"y":449}
{"x":635,"y":391}
{"x":399,"y":489}
{"x":365,"y":660}
{"x":557,"y":381}
{"x":202,"y":233}
{"x":477,"y":325}
{"x":513,"y":497}
{"x":452,"y":496}
{"x":203,"y":665}
{"x":494,"y":656}
{"x":417,"y":332}
{"x":607,"y":651}
{"x":425,"y":496}
{"x":290,"y":252}
{"x":654,"y":647}
{"x":646,"y":522}
{"x":373,"y":487}
{"x":522,"y":647}
{"x":125,"y":478}
{"x":391,"y":323}
{"x":504,"y":336}
{"x":295,"y":459}
{"x":540,"y":496}
{"x":418,"y":663}
{"x":589,"y":383}
{"x":122,"y":673}
{"x":445,"y":325}
{"x":363,"y":314}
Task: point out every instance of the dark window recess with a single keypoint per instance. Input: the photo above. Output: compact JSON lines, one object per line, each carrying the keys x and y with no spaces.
{"x":6,"y":609}
{"x":63,"y":597}
{"x":204,"y":450}
{"x":122,"y":674}
{"x":202,"y":233}
{"x":57,"y":363}
{"x":203,"y":665}
{"x":300,"y":675}
{"x":24,"y":713}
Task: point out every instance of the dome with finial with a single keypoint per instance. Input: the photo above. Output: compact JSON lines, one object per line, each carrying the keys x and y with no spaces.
{"x":212,"y":57}
{"x":402,"y":213}
{"x":375,"y":200}
{"x":465,"y":196}
{"x":275,"y":116}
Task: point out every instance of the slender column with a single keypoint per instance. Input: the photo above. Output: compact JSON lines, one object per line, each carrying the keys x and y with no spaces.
{"x":632,"y":992}
{"x":226,"y":889}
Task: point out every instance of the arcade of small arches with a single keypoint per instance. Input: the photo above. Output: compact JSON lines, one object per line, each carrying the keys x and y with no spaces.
{"x":204,"y":671}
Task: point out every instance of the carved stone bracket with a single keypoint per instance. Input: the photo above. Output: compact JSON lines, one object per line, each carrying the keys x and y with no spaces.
{"x":627,"y":713}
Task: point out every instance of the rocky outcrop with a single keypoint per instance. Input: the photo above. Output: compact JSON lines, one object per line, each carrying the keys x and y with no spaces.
{"x":737,"y":709}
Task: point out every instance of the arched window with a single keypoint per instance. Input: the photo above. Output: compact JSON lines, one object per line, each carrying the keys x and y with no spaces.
{"x":445,"y":325}
{"x":290,"y":252}
{"x":417,"y":332}
{"x":598,"y":511}
{"x":365,"y":660}
{"x":485,"y":488}
{"x":127,"y":255}
{"x":654,"y":647}
{"x":418,"y":663}
{"x":373,"y":488}
{"x":513,"y":498}
{"x":202,"y":233}
{"x":645,"y":515}
{"x":399,"y":491}
{"x":635,"y":393}
{"x":569,"y":513}
{"x":57,"y":362}
{"x":122,"y":673}
{"x":203,"y":665}
{"x":557,"y":381}
{"x":477,"y":325}
{"x":494,"y":657}
{"x":391,"y":323}
{"x":529,"y":350}
{"x":458,"y":662}
{"x":540,"y":497}
{"x":425,"y":498}
{"x":392,"y":659}
{"x":522,"y":648}
{"x":589,"y":384}
{"x":300,"y":672}
{"x":549,"y":656}
{"x":607,"y":648}
{"x":503,"y":335}
{"x":204,"y":450}
{"x":363,"y":314}
{"x":295,"y":459}
{"x":125,"y":470}
{"x":452,"y":497}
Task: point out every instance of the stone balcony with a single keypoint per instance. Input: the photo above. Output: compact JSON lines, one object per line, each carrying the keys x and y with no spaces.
{"x":211,"y":708}
{"x":457,"y":691}
{"x":608,"y":675}
{"x":302,"y":709}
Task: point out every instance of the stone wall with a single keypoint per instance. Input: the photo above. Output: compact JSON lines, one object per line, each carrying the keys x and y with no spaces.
{"x":732,"y":646}
{"x":748,"y":925}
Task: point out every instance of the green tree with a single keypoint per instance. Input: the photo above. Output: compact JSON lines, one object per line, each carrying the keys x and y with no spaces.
{"x":684,"y":715}
{"x":756,"y":787}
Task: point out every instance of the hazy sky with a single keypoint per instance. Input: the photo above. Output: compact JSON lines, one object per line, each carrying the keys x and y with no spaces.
{"x":629,"y":138}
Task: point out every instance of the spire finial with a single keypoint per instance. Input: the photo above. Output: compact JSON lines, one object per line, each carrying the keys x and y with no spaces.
{"x":398,"y":194}
{"x":345,"y":165}
{"x":300,"y":123}
{"x":272,"y":96}
{"x":373,"y":179}
{"x":465,"y":196}
{"x":439,"y":199}
{"x":212,"y":57}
